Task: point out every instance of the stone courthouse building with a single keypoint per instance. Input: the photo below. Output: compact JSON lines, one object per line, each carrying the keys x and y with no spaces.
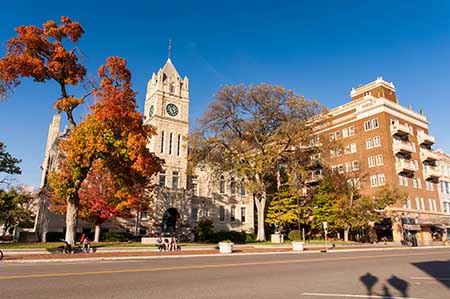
{"x":178,"y":201}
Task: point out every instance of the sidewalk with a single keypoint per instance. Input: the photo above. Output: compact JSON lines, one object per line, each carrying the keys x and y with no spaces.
{"x":23,"y":256}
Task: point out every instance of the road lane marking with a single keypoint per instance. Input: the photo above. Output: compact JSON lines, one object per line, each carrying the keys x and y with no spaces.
{"x":355,"y":296}
{"x":138,"y":270}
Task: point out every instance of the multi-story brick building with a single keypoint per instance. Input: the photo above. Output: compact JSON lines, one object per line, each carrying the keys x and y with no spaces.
{"x":444,"y":180}
{"x":388,"y":144}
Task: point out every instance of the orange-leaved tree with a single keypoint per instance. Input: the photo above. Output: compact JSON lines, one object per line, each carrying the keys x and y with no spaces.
{"x":41,"y":53}
{"x":112,"y":133}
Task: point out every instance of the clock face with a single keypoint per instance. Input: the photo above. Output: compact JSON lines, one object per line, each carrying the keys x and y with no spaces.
{"x":152,"y":109}
{"x":172,"y":109}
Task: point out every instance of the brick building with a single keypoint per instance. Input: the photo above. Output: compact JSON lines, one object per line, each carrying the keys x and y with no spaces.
{"x":391,"y":145}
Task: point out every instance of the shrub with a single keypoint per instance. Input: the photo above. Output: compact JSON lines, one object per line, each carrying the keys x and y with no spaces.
{"x":294,"y":235}
{"x":113,"y":237}
{"x":204,"y":230}
{"x":233,"y":236}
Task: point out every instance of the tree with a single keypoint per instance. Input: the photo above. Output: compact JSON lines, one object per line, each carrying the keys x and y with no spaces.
{"x":41,"y":54}
{"x":15,"y":207}
{"x":339,"y":202}
{"x":283,"y":209}
{"x":113,"y":133}
{"x":8,"y":164}
{"x":247,"y":130}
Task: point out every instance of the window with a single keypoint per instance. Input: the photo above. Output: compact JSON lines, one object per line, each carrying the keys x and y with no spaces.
{"x":408,"y":203}
{"x":170,"y":143}
{"x":194,"y":188}
{"x":355,"y":165}
{"x":414,"y":182}
{"x":222,"y":185}
{"x":242,"y":188}
{"x":379,"y":159}
{"x":373,"y":180}
{"x":341,"y":168}
{"x":339,"y":152}
{"x":162,"y":178}
{"x":417,"y":204}
{"x":337,"y":134}
{"x":345,"y":133}
{"x":332,"y":153}
{"x":351,"y":131}
{"x":400,"y":180}
{"x":367,"y":125}
{"x":353,"y":148}
{"x":233,"y":214}
{"x":376,"y":141}
{"x":430,"y":204}
{"x":179,"y":145}
{"x":434,"y":205}
{"x":372,"y":162}
{"x":381,"y":180}
{"x":369,"y":143}
{"x":175,"y":178}
{"x":393,"y":122}
{"x":333,"y":169}
{"x":172,"y":88}
{"x":194,"y":214}
{"x":331,"y":137}
{"x":162,"y":141}
{"x":422,"y":203}
{"x":221,"y":213}
{"x":233,"y":186}
{"x":375,"y":123}
{"x":405,"y":181}
{"x":243,"y":214}
{"x":348,"y":166}
{"x":419,"y":183}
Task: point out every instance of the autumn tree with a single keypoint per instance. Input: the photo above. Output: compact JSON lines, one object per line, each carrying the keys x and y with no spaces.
{"x":283,"y":209}
{"x":112,"y":133}
{"x":247,"y":130}
{"x":42,"y":54}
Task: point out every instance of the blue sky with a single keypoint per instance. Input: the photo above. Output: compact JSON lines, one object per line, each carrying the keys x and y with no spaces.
{"x":320,"y":49}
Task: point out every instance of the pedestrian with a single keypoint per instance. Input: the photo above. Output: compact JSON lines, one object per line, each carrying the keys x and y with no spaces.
{"x":86,"y":245}
{"x":159,"y":244}
{"x":166,"y":244}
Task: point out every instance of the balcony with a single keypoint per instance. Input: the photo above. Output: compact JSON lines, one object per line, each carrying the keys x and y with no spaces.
{"x":314,"y":179}
{"x":405,"y":167}
{"x":431,"y":173}
{"x":402,"y":147}
{"x":428,"y":156}
{"x":426,"y":139}
{"x":400,"y":130}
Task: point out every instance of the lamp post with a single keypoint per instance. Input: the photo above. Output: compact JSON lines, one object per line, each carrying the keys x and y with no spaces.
{"x":298,"y":203}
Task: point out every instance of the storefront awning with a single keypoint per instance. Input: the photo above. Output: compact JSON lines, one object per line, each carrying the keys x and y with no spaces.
{"x":412,"y":227}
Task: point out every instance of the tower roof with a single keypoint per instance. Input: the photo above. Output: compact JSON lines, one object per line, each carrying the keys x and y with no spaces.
{"x":169,"y":69}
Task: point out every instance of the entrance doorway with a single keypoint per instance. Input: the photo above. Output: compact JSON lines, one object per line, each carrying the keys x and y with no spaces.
{"x":169,"y":221}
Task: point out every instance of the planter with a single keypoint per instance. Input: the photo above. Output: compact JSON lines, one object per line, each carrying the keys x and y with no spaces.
{"x":297,"y":246}
{"x":225,"y":247}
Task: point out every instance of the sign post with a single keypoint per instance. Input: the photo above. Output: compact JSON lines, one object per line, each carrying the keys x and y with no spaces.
{"x":325,"y":225}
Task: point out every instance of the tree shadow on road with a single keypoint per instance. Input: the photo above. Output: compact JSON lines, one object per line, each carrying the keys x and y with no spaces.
{"x":439,"y":270}
{"x":394,"y":281}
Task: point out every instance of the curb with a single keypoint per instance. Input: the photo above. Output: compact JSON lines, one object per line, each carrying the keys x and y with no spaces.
{"x":121,"y":258}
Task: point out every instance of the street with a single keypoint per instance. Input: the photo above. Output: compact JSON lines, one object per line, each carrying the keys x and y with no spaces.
{"x":412,"y":273}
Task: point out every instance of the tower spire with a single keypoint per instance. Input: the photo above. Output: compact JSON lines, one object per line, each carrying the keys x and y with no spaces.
{"x":169,"y":48}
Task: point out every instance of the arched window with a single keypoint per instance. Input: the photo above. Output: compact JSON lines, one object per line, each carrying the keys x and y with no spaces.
{"x":222,"y":185}
{"x":233,"y":186}
{"x":242,"y":187}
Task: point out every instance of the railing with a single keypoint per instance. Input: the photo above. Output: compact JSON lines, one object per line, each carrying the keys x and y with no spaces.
{"x":405,"y":166}
{"x":403,"y":146}
{"x":431,"y":172}
{"x":424,"y":138}
{"x":399,"y":129}
{"x":427,"y":154}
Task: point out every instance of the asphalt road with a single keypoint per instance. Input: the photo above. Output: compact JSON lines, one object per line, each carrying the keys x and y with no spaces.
{"x":411,"y":273}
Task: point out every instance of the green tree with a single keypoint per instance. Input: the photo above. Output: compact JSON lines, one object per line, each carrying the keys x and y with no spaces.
{"x":8,"y":164}
{"x":15,"y":207}
{"x":247,"y":130}
{"x":283,"y":209}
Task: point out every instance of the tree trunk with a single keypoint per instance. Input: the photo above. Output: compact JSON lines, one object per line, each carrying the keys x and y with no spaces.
{"x":97,"y":233}
{"x":71,"y":221}
{"x":260,"y":206}
{"x":346,"y":231}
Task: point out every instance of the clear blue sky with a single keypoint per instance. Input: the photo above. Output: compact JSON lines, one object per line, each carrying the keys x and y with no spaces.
{"x":320,"y":49}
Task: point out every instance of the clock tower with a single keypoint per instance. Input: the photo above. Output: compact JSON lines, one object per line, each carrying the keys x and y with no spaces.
{"x":167,"y":110}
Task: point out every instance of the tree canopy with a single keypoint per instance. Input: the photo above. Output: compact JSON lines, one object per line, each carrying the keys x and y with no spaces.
{"x":8,"y":164}
{"x":15,"y":207}
{"x":247,"y":130}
